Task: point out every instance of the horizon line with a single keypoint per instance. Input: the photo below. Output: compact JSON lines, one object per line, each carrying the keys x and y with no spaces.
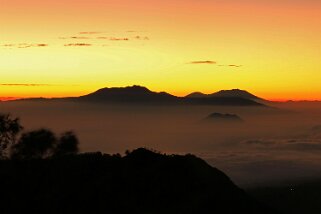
{"x":14,"y":98}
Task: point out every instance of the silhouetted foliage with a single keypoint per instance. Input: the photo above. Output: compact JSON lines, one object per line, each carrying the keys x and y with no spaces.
{"x":67,"y":144}
{"x":9,"y":129}
{"x":34,"y":144}
{"x":43,"y":143}
{"x":140,"y":182}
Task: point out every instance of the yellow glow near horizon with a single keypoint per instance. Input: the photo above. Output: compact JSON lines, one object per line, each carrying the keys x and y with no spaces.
{"x":269,"y":48}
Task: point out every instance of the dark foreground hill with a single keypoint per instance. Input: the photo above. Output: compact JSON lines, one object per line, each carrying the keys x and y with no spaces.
{"x":295,"y":197}
{"x":140,"y":182}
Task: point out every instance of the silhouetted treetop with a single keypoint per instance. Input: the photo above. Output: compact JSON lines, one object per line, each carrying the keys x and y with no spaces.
{"x":9,"y":129}
{"x":67,"y":144}
{"x":37,"y":144}
{"x":43,"y":143}
{"x":34,"y":144}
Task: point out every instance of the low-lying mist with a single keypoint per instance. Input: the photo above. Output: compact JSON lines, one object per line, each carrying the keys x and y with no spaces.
{"x":271,"y":145}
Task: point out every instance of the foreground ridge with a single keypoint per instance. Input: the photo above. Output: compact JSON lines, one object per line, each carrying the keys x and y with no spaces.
{"x":140,"y":182}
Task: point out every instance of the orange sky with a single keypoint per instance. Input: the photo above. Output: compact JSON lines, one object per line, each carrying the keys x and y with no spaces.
{"x":54,"y":48}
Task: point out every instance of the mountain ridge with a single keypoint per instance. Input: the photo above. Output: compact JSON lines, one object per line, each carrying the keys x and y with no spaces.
{"x":133,"y":93}
{"x":141,"y":95}
{"x":226,"y":93}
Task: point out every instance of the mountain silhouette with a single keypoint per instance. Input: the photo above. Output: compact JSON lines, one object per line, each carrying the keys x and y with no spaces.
{"x":140,"y":182}
{"x":227,"y":93}
{"x":129,"y":94}
{"x":222,"y":101}
{"x":223,"y":118}
{"x":142,"y":95}
{"x":196,"y":95}
{"x":139,"y":94}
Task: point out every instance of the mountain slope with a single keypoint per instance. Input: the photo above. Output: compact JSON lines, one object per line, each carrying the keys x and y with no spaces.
{"x":140,"y":182}
{"x":222,"y":101}
{"x":235,"y":93}
{"x":196,"y":95}
{"x":128,"y":94}
{"x":226,"y":93}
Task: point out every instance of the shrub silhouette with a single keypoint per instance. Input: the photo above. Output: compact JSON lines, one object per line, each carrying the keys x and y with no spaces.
{"x":43,"y":143}
{"x":34,"y":145}
{"x":67,"y":144}
{"x":37,"y":144}
{"x":9,"y":129}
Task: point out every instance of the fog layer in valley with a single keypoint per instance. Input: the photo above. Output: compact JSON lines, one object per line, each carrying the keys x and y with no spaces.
{"x":272,"y":144}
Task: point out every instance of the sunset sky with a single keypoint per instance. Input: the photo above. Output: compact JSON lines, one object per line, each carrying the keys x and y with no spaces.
{"x":56,"y":48}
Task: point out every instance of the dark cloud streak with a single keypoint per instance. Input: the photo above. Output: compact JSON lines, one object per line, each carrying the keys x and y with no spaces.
{"x":102,"y":37}
{"x":118,"y":39}
{"x":77,"y":44}
{"x":210,"y":62}
{"x":80,"y":37}
{"x":25,"y":85}
{"x":141,"y":37}
{"x":203,"y":62}
{"x":90,"y":32}
{"x":237,"y":66}
{"x":25,"y":45}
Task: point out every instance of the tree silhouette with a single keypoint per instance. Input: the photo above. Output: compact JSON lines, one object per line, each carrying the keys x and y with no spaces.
{"x":38,"y":144}
{"x":9,"y":129}
{"x":34,"y":145}
{"x":67,"y":144}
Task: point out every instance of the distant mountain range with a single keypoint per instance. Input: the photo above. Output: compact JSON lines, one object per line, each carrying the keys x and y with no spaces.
{"x":139,"y":94}
{"x":142,"y":95}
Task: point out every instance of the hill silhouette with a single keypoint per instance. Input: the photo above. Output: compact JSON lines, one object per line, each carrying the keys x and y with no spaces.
{"x":222,"y":101}
{"x":140,"y":182}
{"x":128,"y":94}
{"x":223,"y":118}
{"x":226,"y":93}
{"x":196,"y":95}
